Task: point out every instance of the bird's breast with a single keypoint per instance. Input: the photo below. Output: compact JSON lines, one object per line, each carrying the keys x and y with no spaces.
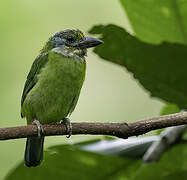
{"x":58,"y":84}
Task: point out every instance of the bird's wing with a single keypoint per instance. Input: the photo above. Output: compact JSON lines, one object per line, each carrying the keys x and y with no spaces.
{"x":37,"y":65}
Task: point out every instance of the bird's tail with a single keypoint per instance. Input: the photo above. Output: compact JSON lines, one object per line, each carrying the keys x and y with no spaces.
{"x":34,"y":151}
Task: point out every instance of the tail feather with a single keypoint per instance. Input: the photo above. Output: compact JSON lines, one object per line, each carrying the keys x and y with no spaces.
{"x":34,"y":151}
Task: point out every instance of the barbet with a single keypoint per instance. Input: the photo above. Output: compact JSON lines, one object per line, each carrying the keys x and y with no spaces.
{"x":53,"y":86}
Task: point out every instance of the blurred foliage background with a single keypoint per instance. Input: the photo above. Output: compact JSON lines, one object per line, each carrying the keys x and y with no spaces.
{"x":109,"y":94}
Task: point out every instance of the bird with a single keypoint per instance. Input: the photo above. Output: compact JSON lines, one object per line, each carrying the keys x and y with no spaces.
{"x":53,"y":86}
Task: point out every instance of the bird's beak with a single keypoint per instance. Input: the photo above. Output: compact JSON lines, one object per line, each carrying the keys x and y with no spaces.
{"x":88,"y":42}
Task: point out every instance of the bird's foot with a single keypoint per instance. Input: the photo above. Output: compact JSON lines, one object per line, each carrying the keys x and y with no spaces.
{"x":39,"y":126}
{"x":67,"y":123}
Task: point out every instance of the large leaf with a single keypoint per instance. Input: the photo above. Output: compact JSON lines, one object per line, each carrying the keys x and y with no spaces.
{"x":169,"y":109}
{"x":172,"y":166}
{"x":161,"y":69}
{"x":158,"y":20}
{"x":68,"y":162}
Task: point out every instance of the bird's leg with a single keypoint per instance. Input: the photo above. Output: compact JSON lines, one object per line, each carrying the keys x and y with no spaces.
{"x":39,"y":126}
{"x":67,"y":123}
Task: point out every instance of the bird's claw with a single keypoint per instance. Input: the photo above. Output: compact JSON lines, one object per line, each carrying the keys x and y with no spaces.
{"x":39,"y":126}
{"x":67,"y":123}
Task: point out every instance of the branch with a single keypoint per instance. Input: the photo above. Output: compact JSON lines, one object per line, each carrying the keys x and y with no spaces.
{"x":168,"y":137}
{"x":122,"y":130}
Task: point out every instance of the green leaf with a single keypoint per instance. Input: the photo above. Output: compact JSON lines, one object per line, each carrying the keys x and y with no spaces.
{"x":170,"y":109}
{"x":161,"y":69}
{"x":157,"y":20}
{"x":69,"y":162}
{"x":173,"y":166}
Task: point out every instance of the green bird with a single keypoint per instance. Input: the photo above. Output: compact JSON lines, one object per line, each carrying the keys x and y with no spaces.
{"x":53,"y":86}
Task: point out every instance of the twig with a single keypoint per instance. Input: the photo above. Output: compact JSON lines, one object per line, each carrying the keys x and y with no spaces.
{"x":167,"y":138}
{"x":122,"y":130}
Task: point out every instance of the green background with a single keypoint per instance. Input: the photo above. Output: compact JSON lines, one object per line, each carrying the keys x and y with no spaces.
{"x":109,"y":94}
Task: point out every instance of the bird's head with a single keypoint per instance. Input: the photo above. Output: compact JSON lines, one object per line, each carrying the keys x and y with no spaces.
{"x":71,"y":43}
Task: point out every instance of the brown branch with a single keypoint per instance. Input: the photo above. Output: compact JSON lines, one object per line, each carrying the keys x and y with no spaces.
{"x":122,"y":130}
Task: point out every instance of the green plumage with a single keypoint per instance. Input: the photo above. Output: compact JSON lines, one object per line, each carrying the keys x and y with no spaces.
{"x":53,"y":84}
{"x":55,"y":88}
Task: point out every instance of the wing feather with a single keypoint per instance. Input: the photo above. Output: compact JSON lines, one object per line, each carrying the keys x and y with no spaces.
{"x":36,"y":67}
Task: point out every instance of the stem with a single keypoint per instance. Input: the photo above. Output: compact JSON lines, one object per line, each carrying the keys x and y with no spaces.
{"x":122,"y":130}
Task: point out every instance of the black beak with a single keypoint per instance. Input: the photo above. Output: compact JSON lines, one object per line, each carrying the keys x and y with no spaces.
{"x":88,"y":42}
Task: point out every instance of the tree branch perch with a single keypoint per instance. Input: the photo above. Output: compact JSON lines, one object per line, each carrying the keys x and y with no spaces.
{"x":122,"y":130}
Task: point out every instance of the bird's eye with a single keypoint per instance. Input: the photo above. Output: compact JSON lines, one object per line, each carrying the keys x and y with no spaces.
{"x":70,"y":38}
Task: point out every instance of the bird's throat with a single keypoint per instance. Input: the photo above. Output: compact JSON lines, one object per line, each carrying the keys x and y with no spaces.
{"x":71,"y":52}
